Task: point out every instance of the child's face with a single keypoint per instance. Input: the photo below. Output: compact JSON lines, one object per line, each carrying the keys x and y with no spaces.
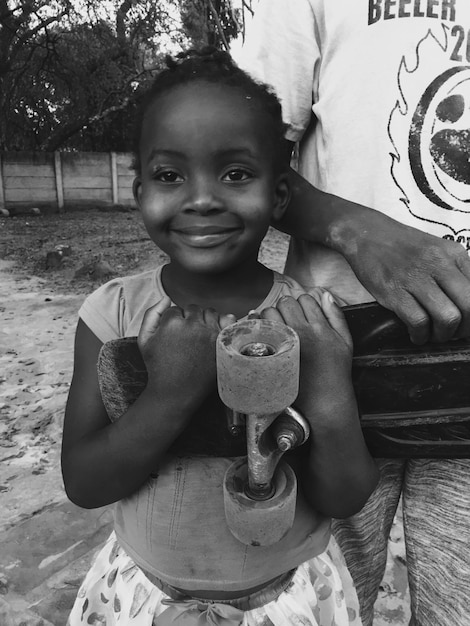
{"x":208,"y":187}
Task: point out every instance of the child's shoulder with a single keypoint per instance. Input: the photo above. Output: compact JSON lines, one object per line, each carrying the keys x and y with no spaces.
{"x":117,"y":307}
{"x":128,"y":286}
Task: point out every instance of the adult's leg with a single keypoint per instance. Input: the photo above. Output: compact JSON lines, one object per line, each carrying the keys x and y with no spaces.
{"x":436,"y":515}
{"x":363,"y":538}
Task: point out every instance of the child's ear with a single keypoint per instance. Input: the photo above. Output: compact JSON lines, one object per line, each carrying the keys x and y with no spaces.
{"x":137,"y":190}
{"x":282,"y":196}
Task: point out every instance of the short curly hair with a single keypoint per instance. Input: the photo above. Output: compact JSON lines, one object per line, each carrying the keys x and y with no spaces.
{"x":213,"y":66}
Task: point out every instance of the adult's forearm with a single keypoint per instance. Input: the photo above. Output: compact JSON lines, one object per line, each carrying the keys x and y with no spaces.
{"x":423,"y":278}
{"x":323,"y":218}
{"x":114,"y":462}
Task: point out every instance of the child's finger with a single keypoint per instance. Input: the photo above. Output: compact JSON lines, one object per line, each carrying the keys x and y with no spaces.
{"x":194,"y":311}
{"x":335,"y":317}
{"x":272,"y":314}
{"x":305,"y":309}
{"x":153,"y":315}
{"x":210,"y":316}
{"x":227,"y":319}
{"x":216,"y":320}
{"x":316,"y":294}
{"x":152,"y":318}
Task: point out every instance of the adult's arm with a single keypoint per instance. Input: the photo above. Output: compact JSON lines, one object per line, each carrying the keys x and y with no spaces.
{"x":425,"y":280}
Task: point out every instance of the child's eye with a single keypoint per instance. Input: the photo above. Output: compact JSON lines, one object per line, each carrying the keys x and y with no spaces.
{"x":237,"y":175}
{"x":167,"y":176}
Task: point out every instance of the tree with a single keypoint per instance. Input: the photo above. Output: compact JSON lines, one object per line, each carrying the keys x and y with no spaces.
{"x":19,"y":27}
{"x":209,"y":22}
{"x":62,"y":73}
{"x":71,"y":71}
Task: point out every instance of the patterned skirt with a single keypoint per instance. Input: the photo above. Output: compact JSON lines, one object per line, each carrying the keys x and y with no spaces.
{"x":116,"y":592}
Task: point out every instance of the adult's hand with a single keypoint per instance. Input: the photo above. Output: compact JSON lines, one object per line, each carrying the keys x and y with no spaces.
{"x":425,"y":280}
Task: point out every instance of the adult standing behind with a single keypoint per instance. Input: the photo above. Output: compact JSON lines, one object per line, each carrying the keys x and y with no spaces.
{"x":377,"y":92}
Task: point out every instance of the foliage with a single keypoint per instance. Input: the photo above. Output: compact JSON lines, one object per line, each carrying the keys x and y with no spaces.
{"x":71,"y":70}
{"x":208,"y":22}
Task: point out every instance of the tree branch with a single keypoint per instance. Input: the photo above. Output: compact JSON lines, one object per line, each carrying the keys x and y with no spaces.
{"x":65,"y":132}
{"x":220,"y":28}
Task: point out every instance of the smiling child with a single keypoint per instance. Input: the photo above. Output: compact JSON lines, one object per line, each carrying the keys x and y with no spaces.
{"x":210,"y":178}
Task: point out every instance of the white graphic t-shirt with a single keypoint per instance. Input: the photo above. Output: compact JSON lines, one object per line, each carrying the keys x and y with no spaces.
{"x":388,"y":83}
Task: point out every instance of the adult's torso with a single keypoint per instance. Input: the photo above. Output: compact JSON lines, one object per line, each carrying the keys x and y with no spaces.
{"x":390,"y":84}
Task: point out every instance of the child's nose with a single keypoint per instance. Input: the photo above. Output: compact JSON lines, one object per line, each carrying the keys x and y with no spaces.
{"x":202,"y":197}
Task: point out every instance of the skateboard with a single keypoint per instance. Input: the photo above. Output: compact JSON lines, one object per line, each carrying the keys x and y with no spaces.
{"x":414,"y":402}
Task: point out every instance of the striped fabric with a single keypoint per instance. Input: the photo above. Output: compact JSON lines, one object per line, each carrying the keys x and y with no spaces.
{"x":436,"y":519}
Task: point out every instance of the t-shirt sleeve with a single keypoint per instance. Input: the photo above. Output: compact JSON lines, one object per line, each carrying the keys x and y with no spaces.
{"x":281,"y":50}
{"x":103,"y":311}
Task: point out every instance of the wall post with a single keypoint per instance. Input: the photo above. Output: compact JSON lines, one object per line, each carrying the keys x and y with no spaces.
{"x":114,"y":178}
{"x":59,"y":183}
{"x":2,"y":193}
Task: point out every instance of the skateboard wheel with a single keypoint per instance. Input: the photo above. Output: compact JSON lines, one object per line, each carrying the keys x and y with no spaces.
{"x":259,"y":522}
{"x":258,"y":366}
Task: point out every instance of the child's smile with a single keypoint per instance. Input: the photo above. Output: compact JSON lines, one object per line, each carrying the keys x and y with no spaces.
{"x":209,"y":185}
{"x":206,"y":232}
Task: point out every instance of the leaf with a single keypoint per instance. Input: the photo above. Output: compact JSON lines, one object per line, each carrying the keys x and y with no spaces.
{"x":112,"y":577}
{"x":96,"y":619}
{"x":141,"y":594}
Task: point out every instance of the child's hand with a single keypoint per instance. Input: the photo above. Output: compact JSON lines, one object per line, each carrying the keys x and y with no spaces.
{"x":178,"y":348}
{"x":325,"y":345}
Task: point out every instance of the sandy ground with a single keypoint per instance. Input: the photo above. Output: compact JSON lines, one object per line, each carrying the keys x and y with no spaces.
{"x":36,"y":342}
{"x":38,"y":318}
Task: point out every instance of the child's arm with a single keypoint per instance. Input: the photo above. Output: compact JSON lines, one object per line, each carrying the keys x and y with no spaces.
{"x":340,"y":473}
{"x":424,"y":279}
{"x":103,"y":462}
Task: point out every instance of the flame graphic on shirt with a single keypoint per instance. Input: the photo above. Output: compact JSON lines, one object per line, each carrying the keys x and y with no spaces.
{"x":429,"y":128}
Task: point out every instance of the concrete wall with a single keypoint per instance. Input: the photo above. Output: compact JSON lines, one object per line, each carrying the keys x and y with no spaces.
{"x":61,"y":180}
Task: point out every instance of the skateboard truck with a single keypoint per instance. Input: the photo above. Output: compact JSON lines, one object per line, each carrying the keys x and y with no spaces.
{"x":258,"y":365}
{"x":268,"y":438}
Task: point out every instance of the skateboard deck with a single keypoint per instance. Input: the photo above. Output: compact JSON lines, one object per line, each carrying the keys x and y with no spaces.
{"x":414,"y":401}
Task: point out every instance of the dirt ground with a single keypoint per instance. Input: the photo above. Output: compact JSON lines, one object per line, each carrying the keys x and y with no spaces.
{"x":39,"y":312}
{"x":39,"y":299}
